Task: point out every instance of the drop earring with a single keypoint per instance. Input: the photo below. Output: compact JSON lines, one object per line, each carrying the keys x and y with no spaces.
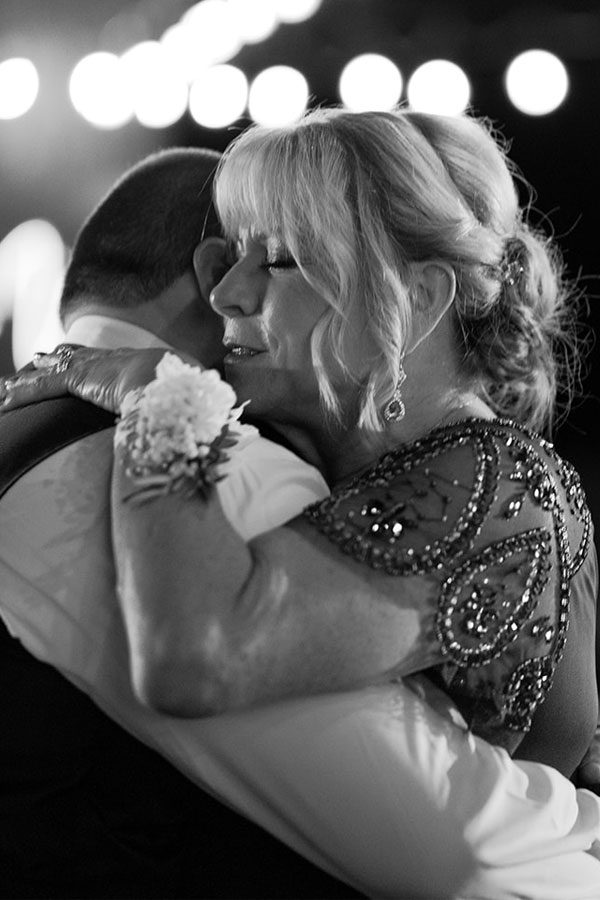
{"x":394,"y":410}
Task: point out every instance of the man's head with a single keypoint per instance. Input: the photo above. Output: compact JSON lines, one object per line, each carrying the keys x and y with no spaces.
{"x":133,"y":257}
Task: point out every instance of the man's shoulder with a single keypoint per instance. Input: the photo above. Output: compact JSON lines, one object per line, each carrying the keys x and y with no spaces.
{"x":34,"y":433}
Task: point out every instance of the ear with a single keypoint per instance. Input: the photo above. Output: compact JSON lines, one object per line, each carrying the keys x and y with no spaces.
{"x":210,"y":264}
{"x":434,"y":293}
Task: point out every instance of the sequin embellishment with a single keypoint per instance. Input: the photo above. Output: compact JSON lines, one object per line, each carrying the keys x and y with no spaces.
{"x":489,"y":595}
{"x":474,"y":622}
{"x":384,"y":531}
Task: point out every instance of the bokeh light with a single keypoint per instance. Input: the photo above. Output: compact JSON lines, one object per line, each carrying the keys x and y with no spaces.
{"x":218,"y":96}
{"x":211,"y":34}
{"x":369,"y":82}
{"x":19,"y":85}
{"x":179,"y":43}
{"x":96,"y":91}
{"x":278,"y":96}
{"x":536,"y":82}
{"x":255,"y":20}
{"x":296,"y":10}
{"x":32,"y":260}
{"x":439,"y":86}
{"x":156,"y":84}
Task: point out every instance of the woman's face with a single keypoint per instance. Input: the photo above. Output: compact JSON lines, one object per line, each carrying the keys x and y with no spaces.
{"x":270,"y":311}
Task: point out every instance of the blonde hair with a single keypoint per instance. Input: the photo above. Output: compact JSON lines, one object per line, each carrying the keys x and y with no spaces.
{"x":356,"y":197}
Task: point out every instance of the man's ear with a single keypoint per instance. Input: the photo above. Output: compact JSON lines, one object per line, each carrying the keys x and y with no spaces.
{"x":210,"y":264}
{"x":434,"y":292}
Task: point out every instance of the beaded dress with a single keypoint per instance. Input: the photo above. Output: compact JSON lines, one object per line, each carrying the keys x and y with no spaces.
{"x":489,"y":512}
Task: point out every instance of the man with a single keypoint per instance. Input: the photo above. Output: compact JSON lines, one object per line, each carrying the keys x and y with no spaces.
{"x":86,"y":810}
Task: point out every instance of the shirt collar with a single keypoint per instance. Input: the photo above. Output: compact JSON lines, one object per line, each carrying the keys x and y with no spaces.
{"x":107,"y":333}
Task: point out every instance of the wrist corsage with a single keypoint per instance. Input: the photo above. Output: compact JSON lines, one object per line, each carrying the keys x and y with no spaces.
{"x":174,"y":432}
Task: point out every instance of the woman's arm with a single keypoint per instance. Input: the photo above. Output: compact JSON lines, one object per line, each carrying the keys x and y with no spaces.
{"x":449,"y":557}
{"x":215,"y":624}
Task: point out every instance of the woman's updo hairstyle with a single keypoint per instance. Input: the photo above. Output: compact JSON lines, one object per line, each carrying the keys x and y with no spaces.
{"x":357,"y":197}
{"x":514,"y":307}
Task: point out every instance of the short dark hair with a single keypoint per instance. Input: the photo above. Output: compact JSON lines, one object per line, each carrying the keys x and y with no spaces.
{"x":142,"y":235}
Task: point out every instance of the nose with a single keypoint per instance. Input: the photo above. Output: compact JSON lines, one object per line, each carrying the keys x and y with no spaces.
{"x":238,"y":293}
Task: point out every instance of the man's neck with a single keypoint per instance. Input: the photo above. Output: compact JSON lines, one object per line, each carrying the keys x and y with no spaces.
{"x":101,"y":329}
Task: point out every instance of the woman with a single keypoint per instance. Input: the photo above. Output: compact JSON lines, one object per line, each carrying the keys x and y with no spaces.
{"x":406,"y":232}
{"x":390,"y":312}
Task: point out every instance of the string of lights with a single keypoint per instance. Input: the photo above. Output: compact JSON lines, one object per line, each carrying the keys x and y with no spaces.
{"x":189,"y":69}
{"x":79,"y":102}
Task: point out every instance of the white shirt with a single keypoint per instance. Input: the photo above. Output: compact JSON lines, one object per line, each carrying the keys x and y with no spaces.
{"x":105,"y":333}
{"x":376,"y":786}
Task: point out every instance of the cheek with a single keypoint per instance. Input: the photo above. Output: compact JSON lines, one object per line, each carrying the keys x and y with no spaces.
{"x":290,"y":315}
{"x":297,"y":342}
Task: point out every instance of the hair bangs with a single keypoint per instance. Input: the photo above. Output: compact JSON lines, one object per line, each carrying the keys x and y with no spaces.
{"x":273,"y":182}
{"x":249,"y":194}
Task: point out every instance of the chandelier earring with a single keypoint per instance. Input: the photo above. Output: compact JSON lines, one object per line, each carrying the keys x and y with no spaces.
{"x":394,"y":410}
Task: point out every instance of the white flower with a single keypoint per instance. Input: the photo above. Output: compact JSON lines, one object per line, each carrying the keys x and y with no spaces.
{"x":177,"y":416}
{"x":184,"y":398}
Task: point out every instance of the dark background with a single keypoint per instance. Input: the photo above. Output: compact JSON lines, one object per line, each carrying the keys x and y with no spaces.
{"x":53,"y":165}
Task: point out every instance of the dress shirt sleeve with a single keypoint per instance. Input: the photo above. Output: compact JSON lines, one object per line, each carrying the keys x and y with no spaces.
{"x":265,"y":485}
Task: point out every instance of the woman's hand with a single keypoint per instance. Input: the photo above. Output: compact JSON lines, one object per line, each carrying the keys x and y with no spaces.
{"x":102,"y":377}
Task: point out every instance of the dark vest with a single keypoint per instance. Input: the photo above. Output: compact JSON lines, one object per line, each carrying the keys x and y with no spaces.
{"x":85,"y":809}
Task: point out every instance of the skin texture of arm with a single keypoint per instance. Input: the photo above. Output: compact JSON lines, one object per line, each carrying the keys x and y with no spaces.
{"x":215,"y":624}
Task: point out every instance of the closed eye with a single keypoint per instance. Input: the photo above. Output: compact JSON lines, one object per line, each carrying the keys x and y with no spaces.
{"x":280,"y":262}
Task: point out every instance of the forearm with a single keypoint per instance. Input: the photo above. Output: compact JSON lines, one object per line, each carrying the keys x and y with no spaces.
{"x":181,"y":604}
{"x":215,"y":624}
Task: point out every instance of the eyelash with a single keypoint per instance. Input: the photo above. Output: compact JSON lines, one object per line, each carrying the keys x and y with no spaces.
{"x":283,"y":262}
{"x":287,"y":262}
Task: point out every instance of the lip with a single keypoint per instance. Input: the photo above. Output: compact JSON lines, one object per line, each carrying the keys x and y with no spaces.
{"x":240,"y":352}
